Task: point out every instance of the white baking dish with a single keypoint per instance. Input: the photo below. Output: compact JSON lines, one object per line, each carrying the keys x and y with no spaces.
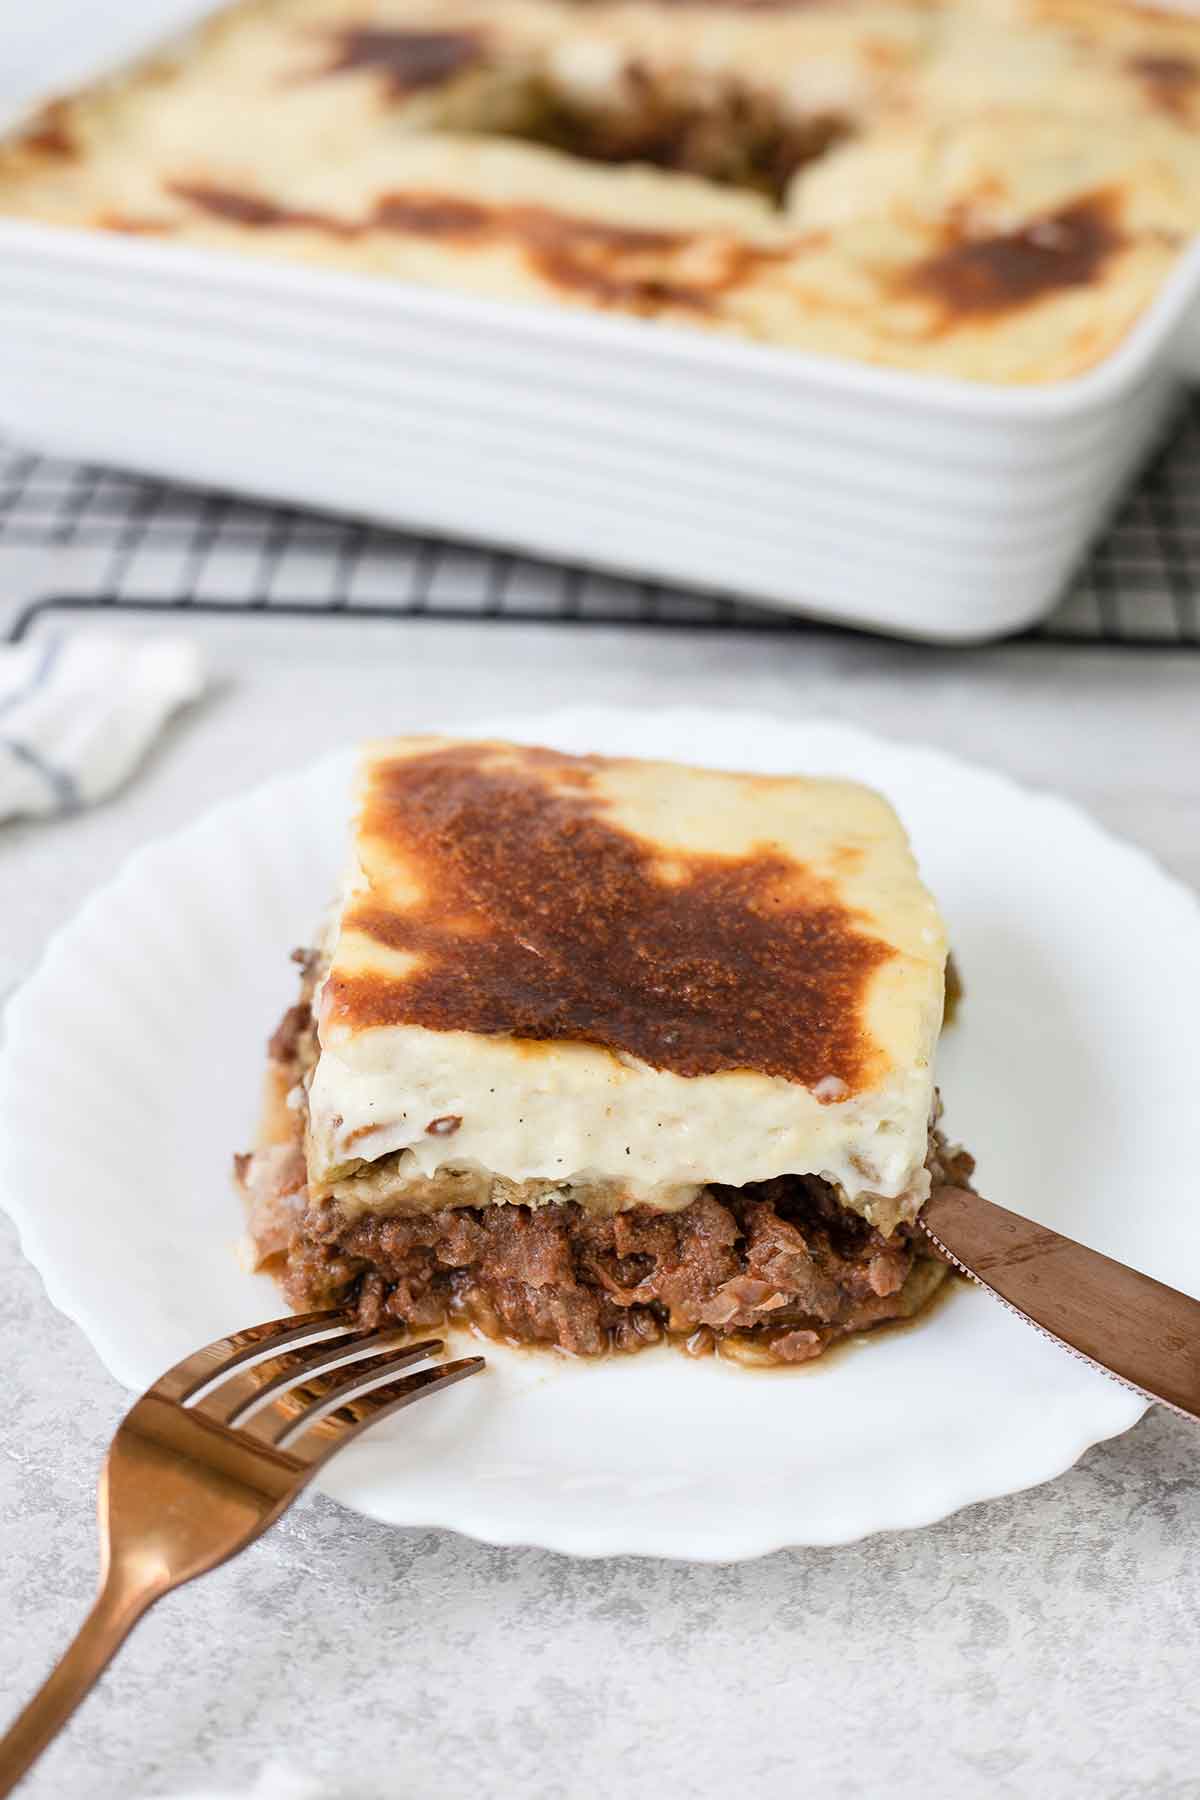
{"x":938,"y":508}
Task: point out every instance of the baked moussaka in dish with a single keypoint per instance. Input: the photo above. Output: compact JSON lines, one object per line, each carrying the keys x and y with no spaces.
{"x":593,"y":1052}
{"x":991,"y":189}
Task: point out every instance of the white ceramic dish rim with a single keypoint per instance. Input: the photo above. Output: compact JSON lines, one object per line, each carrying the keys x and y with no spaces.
{"x":1095,"y":1422}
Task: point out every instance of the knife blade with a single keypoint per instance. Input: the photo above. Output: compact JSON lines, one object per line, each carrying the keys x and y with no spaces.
{"x":1138,"y":1330}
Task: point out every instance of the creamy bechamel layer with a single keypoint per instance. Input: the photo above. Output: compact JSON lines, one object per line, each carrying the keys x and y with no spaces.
{"x":615,"y":982}
{"x":605,"y":1132}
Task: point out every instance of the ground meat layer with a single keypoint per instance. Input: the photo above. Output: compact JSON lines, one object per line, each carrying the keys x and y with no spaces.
{"x":775,"y":1272}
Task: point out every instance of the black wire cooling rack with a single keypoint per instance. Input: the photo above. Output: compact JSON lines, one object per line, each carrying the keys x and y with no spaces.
{"x":83,"y":538}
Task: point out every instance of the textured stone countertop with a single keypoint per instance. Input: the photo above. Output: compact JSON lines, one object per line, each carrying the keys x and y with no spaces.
{"x":1045,"y":1644}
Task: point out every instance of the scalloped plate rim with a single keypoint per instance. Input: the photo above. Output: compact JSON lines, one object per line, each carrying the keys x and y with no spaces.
{"x":1115,"y":1410}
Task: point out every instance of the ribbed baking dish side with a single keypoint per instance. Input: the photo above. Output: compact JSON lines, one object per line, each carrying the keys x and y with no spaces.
{"x":940,"y":509}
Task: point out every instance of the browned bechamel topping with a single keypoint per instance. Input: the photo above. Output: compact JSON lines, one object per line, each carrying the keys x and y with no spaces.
{"x":541,"y":917}
{"x":445,"y":1126}
{"x":599,"y":260}
{"x":49,"y":131}
{"x":255,"y":213}
{"x":356,"y":1136}
{"x":586,"y":255}
{"x":766,"y":6}
{"x":129,"y":225}
{"x":430,"y":215}
{"x":981,"y":277}
{"x":407,"y":60}
{"x":1170,"y":82}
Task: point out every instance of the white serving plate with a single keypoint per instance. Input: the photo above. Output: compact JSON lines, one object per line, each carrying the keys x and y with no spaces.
{"x":938,"y":508}
{"x":132,"y":1067}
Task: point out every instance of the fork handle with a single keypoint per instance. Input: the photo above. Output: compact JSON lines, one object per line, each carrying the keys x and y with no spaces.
{"x":117,"y":1610}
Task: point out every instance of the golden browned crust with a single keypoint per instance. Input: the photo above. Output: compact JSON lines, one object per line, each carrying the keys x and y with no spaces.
{"x":542,"y":918}
{"x":970,"y":276}
{"x":984,"y":276}
{"x":615,"y":265}
{"x":406,"y":60}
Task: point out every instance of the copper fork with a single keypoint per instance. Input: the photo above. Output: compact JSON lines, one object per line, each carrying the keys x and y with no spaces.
{"x":205,"y":1461}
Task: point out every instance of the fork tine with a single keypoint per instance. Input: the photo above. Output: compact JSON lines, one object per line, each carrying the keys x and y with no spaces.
{"x":291,"y":1408}
{"x":313,"y":1443}
{"x":244,"y":1388}
{"x":228,"y":1353}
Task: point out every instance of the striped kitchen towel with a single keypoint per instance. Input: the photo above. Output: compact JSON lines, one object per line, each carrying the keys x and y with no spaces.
{"x":78,"y":714}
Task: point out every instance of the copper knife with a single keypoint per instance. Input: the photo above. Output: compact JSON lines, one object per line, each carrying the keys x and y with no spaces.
{"x":1136,"y":1329}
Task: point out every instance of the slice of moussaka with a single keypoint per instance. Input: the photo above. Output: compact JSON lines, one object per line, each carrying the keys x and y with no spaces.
{"x":593,"y":1052}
